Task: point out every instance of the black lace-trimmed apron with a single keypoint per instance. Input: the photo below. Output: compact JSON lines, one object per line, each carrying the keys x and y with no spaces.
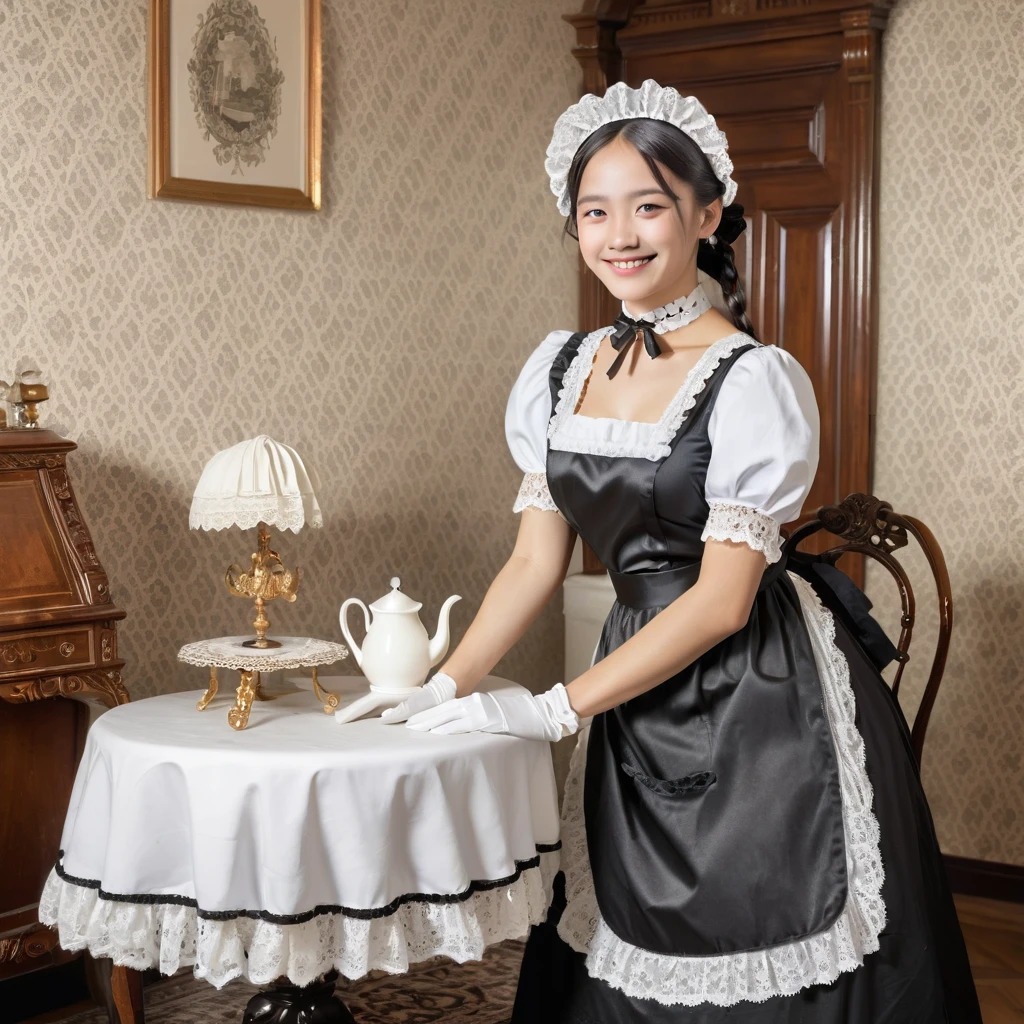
{"x":712,"y":802}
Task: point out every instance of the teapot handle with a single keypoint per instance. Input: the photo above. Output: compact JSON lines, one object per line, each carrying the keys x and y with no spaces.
{"x":357,"y":651}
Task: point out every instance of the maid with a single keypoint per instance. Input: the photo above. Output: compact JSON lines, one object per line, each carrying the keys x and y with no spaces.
{"x":744,"y":832}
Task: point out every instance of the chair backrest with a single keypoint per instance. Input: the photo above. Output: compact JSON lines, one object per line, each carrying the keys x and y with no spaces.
{"x":869,"y":526}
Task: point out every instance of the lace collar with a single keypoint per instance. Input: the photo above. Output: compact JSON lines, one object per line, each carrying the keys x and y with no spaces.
{"x":604,"y":435}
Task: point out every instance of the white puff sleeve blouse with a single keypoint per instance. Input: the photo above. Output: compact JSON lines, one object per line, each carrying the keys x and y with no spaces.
{"x":764,"y":449}
{"x":763,"y":431}
{"x":526,"y":423}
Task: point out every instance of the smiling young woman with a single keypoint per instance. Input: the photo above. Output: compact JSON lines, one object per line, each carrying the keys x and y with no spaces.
{"x":641,"y":243}
{"x":744,"y":833}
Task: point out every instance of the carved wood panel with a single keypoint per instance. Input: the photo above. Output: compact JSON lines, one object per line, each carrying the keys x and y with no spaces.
{"x":58,"y":640}
{"x":39,"y":573}
{"x":794,"y":84}
{"x":47,"y":650}
{"x":105,"y":687}
{"x":792,"y":288}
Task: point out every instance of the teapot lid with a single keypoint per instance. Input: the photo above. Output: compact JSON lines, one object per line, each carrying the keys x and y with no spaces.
{"x":396,"y":601}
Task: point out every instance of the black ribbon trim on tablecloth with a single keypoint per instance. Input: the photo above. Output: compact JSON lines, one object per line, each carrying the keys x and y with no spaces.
{"x":362,"y":914}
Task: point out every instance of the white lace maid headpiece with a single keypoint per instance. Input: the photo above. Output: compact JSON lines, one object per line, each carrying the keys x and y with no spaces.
{"x":663,"y":103}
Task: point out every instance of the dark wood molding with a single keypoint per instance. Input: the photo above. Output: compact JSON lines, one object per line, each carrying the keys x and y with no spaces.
{"x":595,"y":49}
{"x":859,"y":355}
{"x":104,"y":685}
{"x":985,"y":878}
{"x":656,"y":28}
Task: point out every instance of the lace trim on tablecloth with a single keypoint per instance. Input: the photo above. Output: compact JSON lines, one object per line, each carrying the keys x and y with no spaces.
{"x":745,"y":525}
{"x":171,"y":935}
{"x":534,"y":493}
{"x":265,"y":915}
{"x":589,"y":435}
{"x":759,"y":974}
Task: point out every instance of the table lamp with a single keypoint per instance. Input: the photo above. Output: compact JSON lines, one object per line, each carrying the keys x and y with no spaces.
{"x":258,"y":483}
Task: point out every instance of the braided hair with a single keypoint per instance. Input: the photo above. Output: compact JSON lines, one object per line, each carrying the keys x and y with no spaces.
{"x":660,"y":142}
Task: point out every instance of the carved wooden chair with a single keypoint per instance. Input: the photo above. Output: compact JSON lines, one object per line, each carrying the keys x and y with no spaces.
{"x":869,"y":526}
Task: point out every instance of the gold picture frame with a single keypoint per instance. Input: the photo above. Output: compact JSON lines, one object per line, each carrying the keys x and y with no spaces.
{"x":199,"y":134}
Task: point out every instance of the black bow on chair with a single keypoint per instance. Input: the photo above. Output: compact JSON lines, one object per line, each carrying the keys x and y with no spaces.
{"x":627,"y":330}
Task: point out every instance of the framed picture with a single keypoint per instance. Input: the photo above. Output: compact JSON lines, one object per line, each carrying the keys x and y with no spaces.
{"x":234,"y":101}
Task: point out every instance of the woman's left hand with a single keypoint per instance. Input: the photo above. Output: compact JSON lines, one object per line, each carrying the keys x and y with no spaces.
{"x":546,"y":716}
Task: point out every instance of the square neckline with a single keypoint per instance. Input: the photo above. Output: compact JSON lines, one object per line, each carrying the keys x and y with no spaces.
{"x":610,"y":436}
{"x":686,"y":383}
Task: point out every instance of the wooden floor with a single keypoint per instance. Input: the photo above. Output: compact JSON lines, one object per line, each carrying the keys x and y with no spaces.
{"x":995,"y":941}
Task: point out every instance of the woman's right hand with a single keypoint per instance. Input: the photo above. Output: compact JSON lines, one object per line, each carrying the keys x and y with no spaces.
{"x":437,"y":690}
{"x":527,"y":581}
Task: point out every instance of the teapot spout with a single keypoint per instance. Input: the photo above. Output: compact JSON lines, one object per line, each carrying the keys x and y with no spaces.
{"x":439,"y":641}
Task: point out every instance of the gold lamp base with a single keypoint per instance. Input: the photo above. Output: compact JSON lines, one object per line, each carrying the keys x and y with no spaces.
{"x":266,"y":580}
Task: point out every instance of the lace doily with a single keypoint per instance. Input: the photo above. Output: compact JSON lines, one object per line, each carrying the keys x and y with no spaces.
{"x":534,"y":493}
{"x":294,"y":652}
{"x":744,"y":524}
{"x":167,"y":936}
{"x":760,"y":974}
{"x":628,"y":438}
{"x":619,"y":102}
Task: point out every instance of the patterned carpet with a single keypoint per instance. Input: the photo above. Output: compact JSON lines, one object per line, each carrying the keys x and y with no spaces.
{"x":435,"y":990}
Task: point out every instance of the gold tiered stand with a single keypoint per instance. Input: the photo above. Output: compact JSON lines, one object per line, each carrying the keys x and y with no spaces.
{"x":231,"y":652}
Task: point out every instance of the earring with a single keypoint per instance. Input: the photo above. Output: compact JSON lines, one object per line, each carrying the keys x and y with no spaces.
{"x":712,"y":239}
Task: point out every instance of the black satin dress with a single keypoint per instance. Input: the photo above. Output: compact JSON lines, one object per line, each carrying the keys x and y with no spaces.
{"x":712,"y":803}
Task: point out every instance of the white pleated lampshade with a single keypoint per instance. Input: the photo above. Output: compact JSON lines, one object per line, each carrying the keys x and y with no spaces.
{"x":253,"y":481}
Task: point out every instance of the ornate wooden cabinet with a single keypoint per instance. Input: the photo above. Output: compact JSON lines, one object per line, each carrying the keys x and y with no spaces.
{"x":795,"y":86}
{"x":57,"y":640}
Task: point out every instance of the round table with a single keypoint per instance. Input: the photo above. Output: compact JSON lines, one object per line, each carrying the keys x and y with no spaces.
{"x":299,"y":847}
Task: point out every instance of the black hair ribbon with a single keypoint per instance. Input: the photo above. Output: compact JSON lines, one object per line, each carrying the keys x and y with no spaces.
{"x":732,"y":224}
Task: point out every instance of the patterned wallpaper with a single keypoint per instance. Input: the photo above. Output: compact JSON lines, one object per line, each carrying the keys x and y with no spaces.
{"x":379,"y":336}
{"x":949,"y":445}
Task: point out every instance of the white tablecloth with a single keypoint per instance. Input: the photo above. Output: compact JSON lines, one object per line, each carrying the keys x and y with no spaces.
{"x":298,"y":845}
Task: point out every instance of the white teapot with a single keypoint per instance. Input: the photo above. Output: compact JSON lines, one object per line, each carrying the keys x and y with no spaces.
{"x":397,"y":654}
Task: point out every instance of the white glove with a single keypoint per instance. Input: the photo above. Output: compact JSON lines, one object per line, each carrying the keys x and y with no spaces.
{"x":547,"y":716}
{"x":437,"y":690}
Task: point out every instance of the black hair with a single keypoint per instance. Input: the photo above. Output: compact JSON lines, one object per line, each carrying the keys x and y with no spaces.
{"x":661,"y":142}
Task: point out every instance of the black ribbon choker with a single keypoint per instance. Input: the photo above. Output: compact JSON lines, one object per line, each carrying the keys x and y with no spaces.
{"x":626,"y":331}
